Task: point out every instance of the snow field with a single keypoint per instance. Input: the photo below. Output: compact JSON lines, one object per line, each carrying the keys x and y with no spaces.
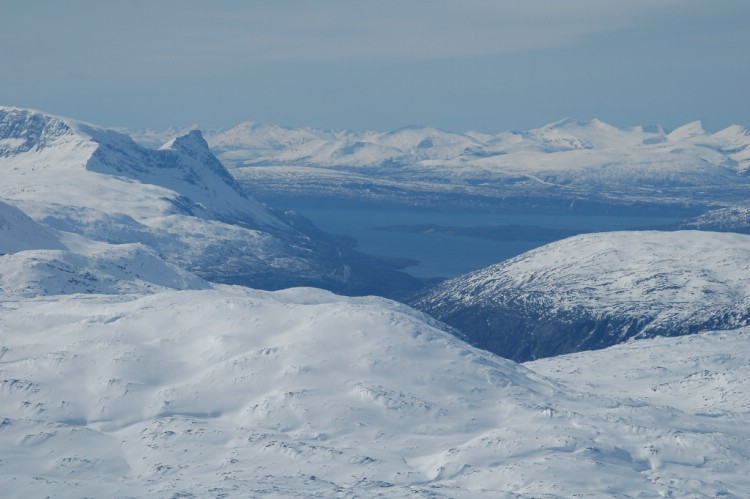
{"x":238,"y":391}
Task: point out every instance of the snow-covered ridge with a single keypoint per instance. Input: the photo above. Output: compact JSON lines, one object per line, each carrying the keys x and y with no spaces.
{"x":250,"y":143}
{"x":595,"y":290}
{"x":52,"y":146}
{"x":179,"y":200}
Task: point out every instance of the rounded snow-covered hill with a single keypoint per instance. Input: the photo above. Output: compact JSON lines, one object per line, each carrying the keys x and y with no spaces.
{"x":300,"y":393}
{"x":731,"y":219}
{"x":595,"y":290}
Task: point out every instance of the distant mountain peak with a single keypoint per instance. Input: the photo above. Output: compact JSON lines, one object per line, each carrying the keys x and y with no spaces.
{"x":693,"y":129}
{"x":23,"y":130}
{"x":573,"y":123}
{"x":191,"y":141}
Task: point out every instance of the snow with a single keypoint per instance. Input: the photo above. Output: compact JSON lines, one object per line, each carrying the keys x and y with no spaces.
{"x":681,"y":271}
{"x":301,"y":392}
{"x":595,"y":290}
{"x":124,"y":375}
{"x":572,"y":158}
{"x":732,"y":219}
{"x":705,"y":373}
{"x":19,"y":232}
{"x":179,"y":200}
{"x":119,"y":269}
{"x":71,"y":163}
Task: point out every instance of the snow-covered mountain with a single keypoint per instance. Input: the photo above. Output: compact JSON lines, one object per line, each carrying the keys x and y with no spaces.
{"x":230,"y":391}
{"x":731,"y":219}
{"x":178,"y":200}
{"x":124,"y":375}
{"x":564,"y":160}
{"x":595,"y":290}
{"x":55,"y":159}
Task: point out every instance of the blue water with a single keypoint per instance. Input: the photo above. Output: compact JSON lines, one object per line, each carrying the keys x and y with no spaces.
{"x":442,"y":255}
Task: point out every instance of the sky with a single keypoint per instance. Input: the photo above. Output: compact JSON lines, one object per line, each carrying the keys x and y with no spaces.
{"x":459,"y":65}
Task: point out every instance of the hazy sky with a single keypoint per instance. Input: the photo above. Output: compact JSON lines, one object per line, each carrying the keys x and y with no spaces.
{"x":487,"y":65}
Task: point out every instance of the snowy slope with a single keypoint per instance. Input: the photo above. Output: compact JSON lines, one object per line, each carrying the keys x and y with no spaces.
{"x":596,"y":290}
{"x":568,"y":159}
{"x":704,"y":373}
{"x":36,"y":260}
{"x":179,"y":200}
{"x":301,"y":393}
{"x":731,"y":219}
{"x":19,"y":232}
{"x":116,"y":269}
{"x":122,"y":375}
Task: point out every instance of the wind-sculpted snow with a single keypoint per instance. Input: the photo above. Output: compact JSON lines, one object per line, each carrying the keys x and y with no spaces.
{"x":234,"y":392}
{"x":179,"y":200}
{"x":596,"y":290}
{"x":568,"y":160}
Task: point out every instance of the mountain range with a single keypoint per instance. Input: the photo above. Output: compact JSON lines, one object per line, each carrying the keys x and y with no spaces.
{"x":558,"y":165}
{"x":132,"y":363}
